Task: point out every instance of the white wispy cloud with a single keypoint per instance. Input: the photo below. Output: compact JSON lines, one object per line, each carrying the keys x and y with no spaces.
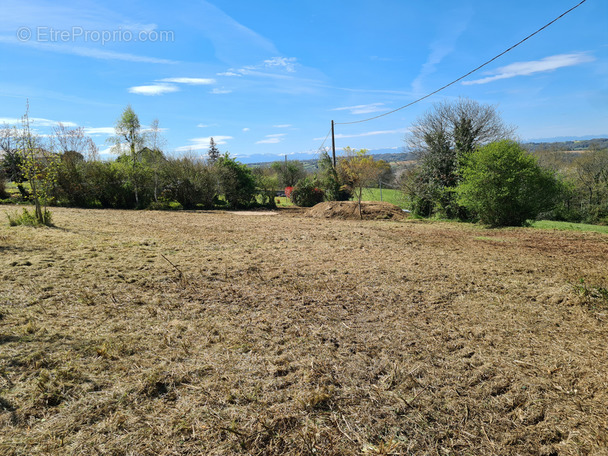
{"x":108,"y":151}
{"x":154,"y":89}
{"x":362,"y":109}
{"x":229,"y":73}
{"x":169,"y":85}
{"x":272,"y":139}
{"x":528,"y":68}
{"x":190,"y":81}
{"x":246,"y":129}
{"x":203,"y":143}
{"x":451,"y":24}
{"x":282,"y":126}
{"x":37,"y":122}
{"x":286,"y":63}
{"x":283,"y":64}
{"x":217,"y":91}
{"x":233,"y":42}
{"x":367,"y":133}
{"x":83,"y":51}
{"x":96,"y":131}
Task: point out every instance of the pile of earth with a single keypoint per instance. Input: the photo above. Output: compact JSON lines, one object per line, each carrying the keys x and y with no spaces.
{"x":349,"y":210}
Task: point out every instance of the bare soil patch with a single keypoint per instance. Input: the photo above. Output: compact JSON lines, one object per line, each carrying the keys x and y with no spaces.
{"x":252,"y":212}
{"x":177,"y":333}
{"x":349,"y":210}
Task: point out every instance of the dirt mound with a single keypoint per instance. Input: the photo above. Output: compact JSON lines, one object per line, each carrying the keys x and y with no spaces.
{"x":371,"y":210}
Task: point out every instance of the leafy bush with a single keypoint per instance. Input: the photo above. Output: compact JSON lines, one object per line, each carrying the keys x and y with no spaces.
{"x":110,"y":185}
{"x":237,"y":182}
{"x":331,"y":182}
{"x":189,"y":182}
{"x":306,"y":193}
{"x":71,"y":188}
{"x":165,"y":206}
{"x":504,"y":185}
{"x":27,"y":218}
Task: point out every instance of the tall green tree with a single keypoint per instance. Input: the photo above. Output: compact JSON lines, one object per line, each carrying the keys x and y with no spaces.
{"x":213,"y":153}
{"x":129,"y":136}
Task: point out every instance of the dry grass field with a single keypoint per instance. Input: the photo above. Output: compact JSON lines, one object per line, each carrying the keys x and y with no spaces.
{"x":158,"y":333}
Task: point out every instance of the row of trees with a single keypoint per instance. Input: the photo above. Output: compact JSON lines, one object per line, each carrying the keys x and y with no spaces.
{"x":469,"y":167}
{"x":64,"y":168}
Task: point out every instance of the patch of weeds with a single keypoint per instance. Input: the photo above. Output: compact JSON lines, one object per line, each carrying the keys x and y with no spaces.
{"x":591,"y":296}
{"x":158,"y":383}
{"x":320,"y":399}
{"x":54,"y":386}
{"x":31,"y":327}
{"x":27,"y":218}
{"x":488,"y":238}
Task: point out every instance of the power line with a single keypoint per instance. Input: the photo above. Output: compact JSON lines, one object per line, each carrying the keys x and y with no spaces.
{"x":468,"y":74}
{"x":323,"y":143}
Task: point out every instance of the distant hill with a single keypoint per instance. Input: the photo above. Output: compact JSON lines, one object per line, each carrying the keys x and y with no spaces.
{"x":388,"y":155}
{"x":394,"y":157}
{"x":574,"y":145}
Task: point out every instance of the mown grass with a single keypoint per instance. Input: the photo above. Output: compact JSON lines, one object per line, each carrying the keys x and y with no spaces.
{"x":216,"y":333}
{"x":369,"y":194}
{"x":389,"y":195}
{"x":568,"y":226}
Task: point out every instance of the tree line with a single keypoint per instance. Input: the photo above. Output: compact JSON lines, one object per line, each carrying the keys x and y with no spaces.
{"x":469,"y":166}
{"x":64,"y":168}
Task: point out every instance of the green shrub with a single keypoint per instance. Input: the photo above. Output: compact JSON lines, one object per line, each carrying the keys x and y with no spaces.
{"x":503,"y":185}
{"x":237,"y":182}
{"x":189,"y":182}
{"x":165,"y":206}
{"x":109,"y":185}
{"x":27,"y":218}
{"x":306,"y":193}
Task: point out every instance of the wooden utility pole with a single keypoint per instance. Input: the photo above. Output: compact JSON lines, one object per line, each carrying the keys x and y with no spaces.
{"x":333,"y":144}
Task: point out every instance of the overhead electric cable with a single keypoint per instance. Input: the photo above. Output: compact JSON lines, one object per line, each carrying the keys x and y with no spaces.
{"x":468,"y":74}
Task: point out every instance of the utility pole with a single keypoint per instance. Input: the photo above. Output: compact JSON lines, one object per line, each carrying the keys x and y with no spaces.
{"x":333,"y":144}
{"x":380,"y":189}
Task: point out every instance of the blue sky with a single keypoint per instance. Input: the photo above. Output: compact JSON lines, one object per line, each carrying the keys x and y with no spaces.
{"x":265,"y":78}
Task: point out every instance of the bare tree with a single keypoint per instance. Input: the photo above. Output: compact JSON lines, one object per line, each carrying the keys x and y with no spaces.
{"x":154,"y":136}
{"x":91,"y":151}
{"x":7,"y":139}
{"x":465,"y":124}
{"x":70,"y":139}
{"x":442,"y":140}
{"x":39,"y":166}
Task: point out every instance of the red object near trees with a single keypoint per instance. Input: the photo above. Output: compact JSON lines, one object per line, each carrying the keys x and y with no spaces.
{"x":288,"y":191}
